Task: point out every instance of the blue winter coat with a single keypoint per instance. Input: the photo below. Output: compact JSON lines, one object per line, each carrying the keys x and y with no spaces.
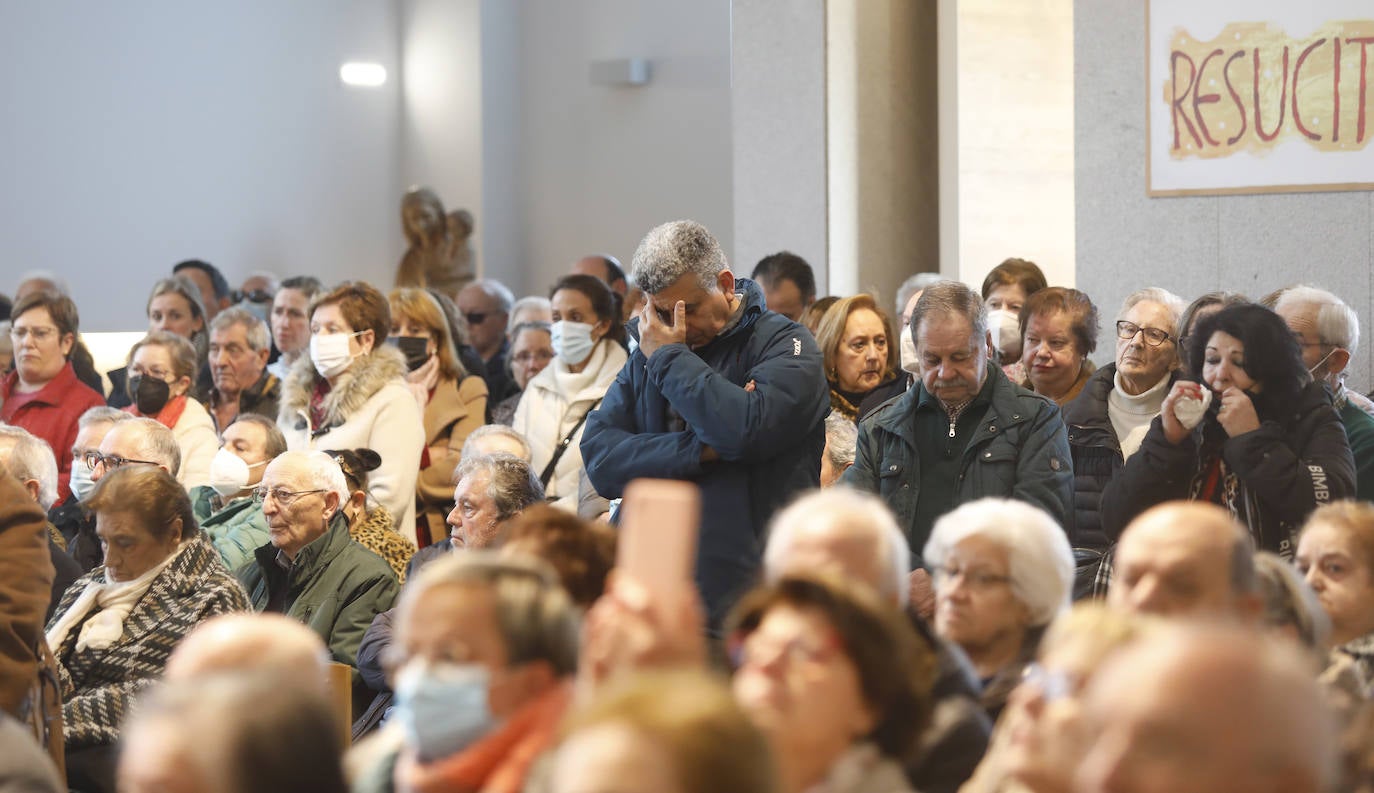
{"x":769,"y":440}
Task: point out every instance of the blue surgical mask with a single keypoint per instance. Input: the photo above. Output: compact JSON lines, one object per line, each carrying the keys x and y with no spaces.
{"x":442,"y":707}
{"x":572,"y":341}
{"x":81,"y":483}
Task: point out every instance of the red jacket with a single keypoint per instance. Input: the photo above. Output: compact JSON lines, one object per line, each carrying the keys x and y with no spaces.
{"x":51,"y":414}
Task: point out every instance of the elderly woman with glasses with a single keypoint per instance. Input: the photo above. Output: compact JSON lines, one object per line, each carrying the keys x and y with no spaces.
{"x":1003,"y":571}
{"x":116,"y":626}
{"x":1109,"y":418}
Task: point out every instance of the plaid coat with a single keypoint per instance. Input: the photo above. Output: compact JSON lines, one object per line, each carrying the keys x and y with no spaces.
{"x":99,"y":685}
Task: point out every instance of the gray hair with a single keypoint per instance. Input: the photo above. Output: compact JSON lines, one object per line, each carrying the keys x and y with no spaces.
{"x":1042,"y":566}
{"x":853,"y":514}
{"x":1337,"y":323}
{"x":153,"y":442}
{"x":318,"y":471}
{"x":256,"y":330}
{"x":30,"y":457}
{"x":535,"y":615}
{"x":1171,"y":302}
{"x":527,"y":302}
{"x":101,"y":414}
{"x":672,"y":250}
{"x":473,"y":446}
{"x":841,"y":438}
{"x":512,"y":484}
{"x":945,"y":298}
{"x":497,"y":291}
{"x":1290,"y":600}
{"x":916,"y":283}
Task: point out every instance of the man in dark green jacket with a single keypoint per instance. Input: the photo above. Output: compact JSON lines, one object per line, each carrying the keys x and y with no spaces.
{"x":963,"y":431}
{"x":311,"y":570}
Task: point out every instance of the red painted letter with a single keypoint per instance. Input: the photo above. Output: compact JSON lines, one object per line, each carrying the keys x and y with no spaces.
{"x":1240,"y":106}
{"x":1179,"y":100}
{"x":1200,"y":98}
{"x":1283,"y":99}
{"x":1364,"y":76}
{"x":1297,"y":67}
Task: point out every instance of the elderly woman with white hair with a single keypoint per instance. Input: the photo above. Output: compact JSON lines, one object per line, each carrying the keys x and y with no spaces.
{"x":1003,"y":570}
{"x":1110,"y":416}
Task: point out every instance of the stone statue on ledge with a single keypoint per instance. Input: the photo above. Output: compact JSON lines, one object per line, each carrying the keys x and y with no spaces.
{"x":440,"y":252}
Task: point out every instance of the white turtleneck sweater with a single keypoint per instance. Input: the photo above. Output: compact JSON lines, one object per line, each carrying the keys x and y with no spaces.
{"x":1131,"y":415}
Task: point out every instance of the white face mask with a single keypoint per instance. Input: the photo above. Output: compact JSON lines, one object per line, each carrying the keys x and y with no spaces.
{"x":908,"y":350}
{"x":1005,"y":327}
{"x":572,"y":341}
{"x":229,"y":473}
{"x":330,"y":354}
{"x":81,"y":483}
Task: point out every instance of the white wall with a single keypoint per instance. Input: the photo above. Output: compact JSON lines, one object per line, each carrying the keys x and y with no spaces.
{"x":599,"y":166}
{"x":1008,"y":156}
{"x":139,"y":134}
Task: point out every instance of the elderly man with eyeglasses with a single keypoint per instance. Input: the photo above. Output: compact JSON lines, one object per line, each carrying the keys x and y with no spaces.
{"x":311,"y":569}
{"x":1110,"y":416}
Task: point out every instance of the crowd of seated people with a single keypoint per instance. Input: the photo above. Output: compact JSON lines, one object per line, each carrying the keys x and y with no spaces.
{"x":320,"y":536}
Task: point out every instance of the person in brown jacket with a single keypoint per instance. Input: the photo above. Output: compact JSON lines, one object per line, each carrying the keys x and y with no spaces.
{"x":26,"y":576}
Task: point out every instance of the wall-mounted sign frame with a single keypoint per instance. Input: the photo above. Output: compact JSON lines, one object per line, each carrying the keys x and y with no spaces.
{"x":1259,"y":96}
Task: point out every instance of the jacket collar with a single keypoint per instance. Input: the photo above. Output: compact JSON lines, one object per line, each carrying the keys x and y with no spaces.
{"x":316,"y":555}
{"x":368,"y":374}
{"x":1002,"y":395}
{"x":184,"y":576}
{"x":53,"y":392}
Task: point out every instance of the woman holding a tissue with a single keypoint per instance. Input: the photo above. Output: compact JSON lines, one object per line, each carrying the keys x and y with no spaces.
{"x":587,"y":337}
{"x":1245,"y":428}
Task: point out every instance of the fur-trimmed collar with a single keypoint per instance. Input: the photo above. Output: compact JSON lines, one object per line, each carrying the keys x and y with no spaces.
{"x":364,"y":378}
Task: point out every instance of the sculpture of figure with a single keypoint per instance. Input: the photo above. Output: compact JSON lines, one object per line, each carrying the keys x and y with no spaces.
{"x":439,"y":255}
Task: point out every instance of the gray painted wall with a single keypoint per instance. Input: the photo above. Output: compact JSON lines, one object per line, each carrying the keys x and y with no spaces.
{"x":1250,"y":244}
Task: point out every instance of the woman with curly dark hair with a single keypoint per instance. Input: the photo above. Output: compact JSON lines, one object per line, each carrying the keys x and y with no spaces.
{"x":1247,"y":429}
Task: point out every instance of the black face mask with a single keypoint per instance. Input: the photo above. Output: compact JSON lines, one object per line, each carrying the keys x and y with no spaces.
{"x":414,"y":348}
{"x":150,"y":394}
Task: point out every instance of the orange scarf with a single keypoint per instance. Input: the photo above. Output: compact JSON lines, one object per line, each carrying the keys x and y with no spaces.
{"x":499,"y":762}
{"x":170,"y":413}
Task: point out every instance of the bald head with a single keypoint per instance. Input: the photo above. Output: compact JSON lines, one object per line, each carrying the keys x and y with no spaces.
{"x":1186,"y":558}
{"x":1207,"y":709}
{"x":270,"y":643}
{"x":143,"y":440}
{"x":604,"y":267}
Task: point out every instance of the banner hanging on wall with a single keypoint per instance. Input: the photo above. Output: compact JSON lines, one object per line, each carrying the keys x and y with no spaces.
{"x":1259,"y":96}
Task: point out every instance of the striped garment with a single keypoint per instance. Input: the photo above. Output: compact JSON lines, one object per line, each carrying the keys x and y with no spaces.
{"x":99,"y":685}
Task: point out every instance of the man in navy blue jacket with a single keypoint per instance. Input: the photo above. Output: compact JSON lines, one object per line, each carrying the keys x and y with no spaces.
{"x":721,"y":392}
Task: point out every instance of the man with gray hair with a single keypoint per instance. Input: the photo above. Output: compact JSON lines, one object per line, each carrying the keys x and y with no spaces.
{"x":140,"y":441}
{"x":311,"y":569}
{"x":486,"y":305}
{"x":239,"y":348}
{"x":721,"y":392}
{"x":841,"y":436}
{"x":73,"y":521}
{"x":31,"y":462}
{"x":965,"y":431}
{"x":1328,"y":331}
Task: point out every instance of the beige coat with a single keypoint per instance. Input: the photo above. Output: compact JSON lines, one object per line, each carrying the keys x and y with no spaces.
{"x":455,"y":410}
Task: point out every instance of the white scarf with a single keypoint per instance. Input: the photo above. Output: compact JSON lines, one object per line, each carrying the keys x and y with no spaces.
{"x":1131,"y":415}
{"x":113,"y":602}
{"x":568,"y":383}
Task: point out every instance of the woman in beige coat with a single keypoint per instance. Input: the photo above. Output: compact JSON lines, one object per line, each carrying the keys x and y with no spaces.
{"x":454,"y":401}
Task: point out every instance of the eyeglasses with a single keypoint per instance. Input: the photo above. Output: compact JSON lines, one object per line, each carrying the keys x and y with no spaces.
{"x":111,"y":461}
{"x":39,"y":334}
{"x":980,"y":580}
{"x":476,"y":317}
{"x":798,"y":651}
{"x":252,"y":296}
{"x":155,"y":372}
{"x":542,"y":356}
{"x":1153,"y":336}
{"x":1054,"y":684}
{"x":1303,"y":343}
{"x":281,"y":495}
